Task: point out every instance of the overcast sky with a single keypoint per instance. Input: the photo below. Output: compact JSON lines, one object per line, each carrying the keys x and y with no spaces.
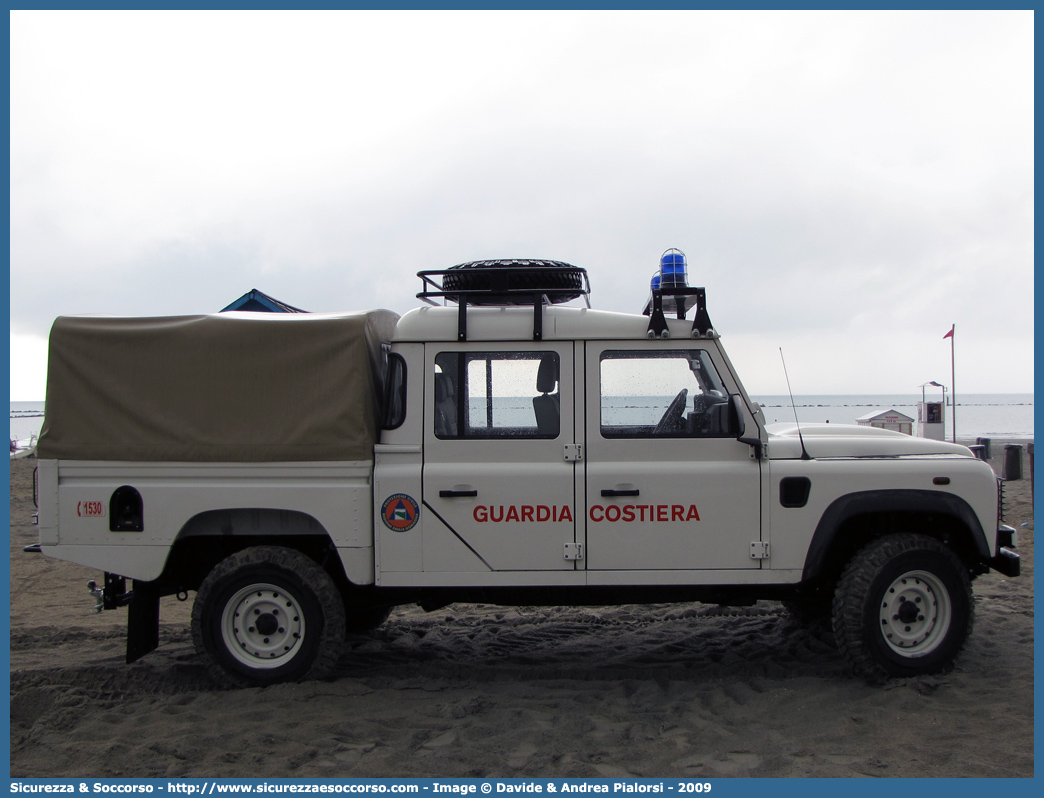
{"x":846,"y":185}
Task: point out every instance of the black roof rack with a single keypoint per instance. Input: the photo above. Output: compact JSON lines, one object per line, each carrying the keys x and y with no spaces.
{"x":532,"y":283}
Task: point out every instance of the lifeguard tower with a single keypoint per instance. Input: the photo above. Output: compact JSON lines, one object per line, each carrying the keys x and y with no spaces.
{"x":931,"y":415}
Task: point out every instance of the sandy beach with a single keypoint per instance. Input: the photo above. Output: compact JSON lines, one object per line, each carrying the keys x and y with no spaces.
{"x":685,"y":690}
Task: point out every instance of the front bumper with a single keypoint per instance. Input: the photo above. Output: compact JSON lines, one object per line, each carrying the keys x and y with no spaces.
{"x":1007,"y":561}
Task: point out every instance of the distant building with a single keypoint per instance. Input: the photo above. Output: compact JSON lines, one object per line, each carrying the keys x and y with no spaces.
{"x":888,"y":419}
{"x":256,"y":300}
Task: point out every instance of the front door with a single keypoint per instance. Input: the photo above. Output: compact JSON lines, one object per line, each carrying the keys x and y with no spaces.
{"x":496,"y":475}
{"x":668,"y":484}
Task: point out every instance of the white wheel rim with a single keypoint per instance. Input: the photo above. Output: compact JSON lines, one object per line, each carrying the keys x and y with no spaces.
{"x":262,"y":626}
{"x":915,"y":614}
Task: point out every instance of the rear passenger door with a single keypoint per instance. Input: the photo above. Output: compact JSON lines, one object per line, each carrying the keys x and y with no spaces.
{"x":498,"y":489}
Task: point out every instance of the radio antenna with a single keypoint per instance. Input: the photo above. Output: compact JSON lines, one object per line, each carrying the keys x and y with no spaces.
{"x":804,"y":452}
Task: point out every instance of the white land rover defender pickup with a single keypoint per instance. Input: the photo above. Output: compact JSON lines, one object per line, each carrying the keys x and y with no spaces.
{"x":305,"y":473}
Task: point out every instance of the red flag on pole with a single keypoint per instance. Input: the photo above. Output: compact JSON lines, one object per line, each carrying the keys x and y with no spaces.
{"x":953,"y":380}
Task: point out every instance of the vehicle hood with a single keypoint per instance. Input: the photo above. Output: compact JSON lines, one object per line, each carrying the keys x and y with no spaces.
{"x":850,"y":440}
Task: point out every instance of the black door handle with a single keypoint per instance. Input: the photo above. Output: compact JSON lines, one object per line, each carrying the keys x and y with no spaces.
{"x":611,"y":492}
{"x":453,"y":494}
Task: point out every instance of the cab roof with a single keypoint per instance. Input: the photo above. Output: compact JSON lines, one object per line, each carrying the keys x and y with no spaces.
{"x":516,"y":324}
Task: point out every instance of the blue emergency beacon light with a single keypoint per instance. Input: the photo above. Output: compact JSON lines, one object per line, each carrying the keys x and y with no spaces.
{"x":670,"y":293}
{"x":673,"y":269}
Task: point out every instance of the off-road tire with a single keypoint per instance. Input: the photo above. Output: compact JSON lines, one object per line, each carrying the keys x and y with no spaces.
{"x":296,"y":625}
{"x":516,"y":275}
{"x":878,"y":614}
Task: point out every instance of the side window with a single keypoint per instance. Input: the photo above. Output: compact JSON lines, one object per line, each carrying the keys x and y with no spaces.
{"x":394,"y":392}
{"x":668,"y":394}
{"x":496,"y":395}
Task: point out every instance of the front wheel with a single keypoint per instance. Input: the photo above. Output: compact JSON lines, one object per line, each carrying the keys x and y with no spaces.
{"x":268,"y":614}
{"x":903,"y":607}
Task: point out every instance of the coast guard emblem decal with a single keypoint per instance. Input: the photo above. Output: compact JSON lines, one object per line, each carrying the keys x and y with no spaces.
{"x":400,"y":512}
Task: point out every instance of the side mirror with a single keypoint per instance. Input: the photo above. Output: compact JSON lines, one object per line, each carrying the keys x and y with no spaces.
{"x":739,"y":427}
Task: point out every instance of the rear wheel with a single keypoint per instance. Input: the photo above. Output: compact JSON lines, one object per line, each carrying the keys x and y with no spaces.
{"x":903,"y":607}
{"x":268,"y":614}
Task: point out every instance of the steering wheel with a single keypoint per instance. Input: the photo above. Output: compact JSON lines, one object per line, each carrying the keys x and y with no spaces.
{"x":672,"y":417}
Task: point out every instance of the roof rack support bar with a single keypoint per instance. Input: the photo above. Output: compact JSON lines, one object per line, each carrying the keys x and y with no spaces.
{"x":701,"y":322}
{"x":657,"y":322}
{"x":538,"y":317}
{"x":462,"y":320}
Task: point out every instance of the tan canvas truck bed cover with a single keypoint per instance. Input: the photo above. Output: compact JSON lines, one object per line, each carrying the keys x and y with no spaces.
{"x":228,"y":387}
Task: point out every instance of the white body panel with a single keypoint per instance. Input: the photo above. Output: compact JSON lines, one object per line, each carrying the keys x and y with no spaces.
{"x":336,"y":495}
